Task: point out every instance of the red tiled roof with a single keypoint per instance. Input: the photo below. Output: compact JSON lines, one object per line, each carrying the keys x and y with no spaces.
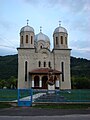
{"x":44,"y":71}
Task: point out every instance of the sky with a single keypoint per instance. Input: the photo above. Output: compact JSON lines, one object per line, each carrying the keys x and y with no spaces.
{"x":73,"y":14}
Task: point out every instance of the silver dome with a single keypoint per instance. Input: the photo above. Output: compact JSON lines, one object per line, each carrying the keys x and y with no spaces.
{"x":26,"y":28}
{"x":60,"y":29}
{"x":42,"y":36}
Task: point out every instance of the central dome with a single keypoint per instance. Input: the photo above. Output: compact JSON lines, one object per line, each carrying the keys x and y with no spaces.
{"x":42,"y":36}
{"x":27,"y":29}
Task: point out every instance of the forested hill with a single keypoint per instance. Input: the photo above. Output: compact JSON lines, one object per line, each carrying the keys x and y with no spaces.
{"x":8,"y":67}
{"x":80,"y":67}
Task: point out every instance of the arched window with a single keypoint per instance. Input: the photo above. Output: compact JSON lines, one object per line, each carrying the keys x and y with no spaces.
{"x":56,"y":40}
{"x":66,"y":40}
{"x":39,"y":64}
{"x":31,"y":39}
{"x":49,"y":64}
{"x":25,"y":70}
{"x":61,"y":39}
{"x":44,"y":64}
{"x":62,"y":68}
{"x":41,"y":46}
{"x":26,"y":38}
{"x":21,"y":39}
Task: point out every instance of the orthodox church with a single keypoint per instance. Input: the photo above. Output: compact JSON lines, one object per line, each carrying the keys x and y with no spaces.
{"x":38,"y":66}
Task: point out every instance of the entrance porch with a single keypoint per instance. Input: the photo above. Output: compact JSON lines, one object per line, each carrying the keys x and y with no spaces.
{"x":40,"y":79}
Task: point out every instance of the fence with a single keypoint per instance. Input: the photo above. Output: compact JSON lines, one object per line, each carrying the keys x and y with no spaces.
{"x":46,"y":96}
{"x":62,"y":96}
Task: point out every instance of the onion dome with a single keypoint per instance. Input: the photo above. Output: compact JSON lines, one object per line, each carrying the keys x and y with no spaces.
{"x":41,"y":36}
{"x":60,"y":29}
{"x":27,"y":28}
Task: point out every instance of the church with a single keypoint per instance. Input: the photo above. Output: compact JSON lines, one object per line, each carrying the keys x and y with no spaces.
{"x":38,"y":66}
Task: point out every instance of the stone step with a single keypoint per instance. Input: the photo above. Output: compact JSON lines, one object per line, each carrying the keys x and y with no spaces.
{"x":50,"y":98}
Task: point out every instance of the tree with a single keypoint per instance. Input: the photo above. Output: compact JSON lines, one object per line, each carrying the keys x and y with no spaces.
{"x":12,"y":83}
{"x":80,"y":83}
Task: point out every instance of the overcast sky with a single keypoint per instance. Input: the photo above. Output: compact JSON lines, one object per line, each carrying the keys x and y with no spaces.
{"x":74,"y":14}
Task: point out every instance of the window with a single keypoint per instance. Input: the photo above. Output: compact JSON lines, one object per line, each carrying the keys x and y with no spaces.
{"x":49,"y":64}
{"x":21,"y":39}
{"x":31,"y":39}
{"x":56,"y":40}
{"x":62,"y":68}
{"x":44,"y":64}
{"x":25,"y":70}
{"x":39,"y":64}
{"x":41,"y":47}
{"x":26,"y":38}
{"x":61,"y":39}
{"x":66,"y":40}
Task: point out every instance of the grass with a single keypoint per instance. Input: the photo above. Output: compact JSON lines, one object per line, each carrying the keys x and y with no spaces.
{"x":5,"y":105}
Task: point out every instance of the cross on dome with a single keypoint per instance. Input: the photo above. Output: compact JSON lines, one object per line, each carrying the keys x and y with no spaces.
{"x":40,"y":28}
{"x":59,"y":23}
{"x":27,"y":22}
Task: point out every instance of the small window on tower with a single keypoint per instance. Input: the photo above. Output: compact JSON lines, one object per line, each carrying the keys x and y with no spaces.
{"x":39,"y":64}
{"x":26,"y":38}
{"x":41,"y":47}
{"x":31,"y":39}
{"x":56,"y":40}
{"x":66,"y":40}
{"x":21,"y":39}
{"x":49,"y":64}
{"x":61,"y":39}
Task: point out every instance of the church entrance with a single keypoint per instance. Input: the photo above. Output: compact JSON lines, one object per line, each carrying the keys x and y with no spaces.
{"x":36,"y":81}
{"x":44,"y":82}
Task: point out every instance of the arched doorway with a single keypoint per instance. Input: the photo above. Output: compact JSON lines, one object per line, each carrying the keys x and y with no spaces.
{"x":36,"y":82}
{"x":44,"y":82}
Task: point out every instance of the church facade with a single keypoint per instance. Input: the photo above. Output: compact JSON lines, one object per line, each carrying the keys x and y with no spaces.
{"x":38,"y":66}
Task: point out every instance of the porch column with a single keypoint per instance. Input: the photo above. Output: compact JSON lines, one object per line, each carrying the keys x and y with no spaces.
{"x":57,"y":83}
{"x":40,"y":82}
{"x":33,"y":83}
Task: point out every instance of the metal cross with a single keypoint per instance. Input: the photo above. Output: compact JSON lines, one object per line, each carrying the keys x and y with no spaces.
{"x":40,"y":28}
{"x":59,"y":23}
{"x":27,"y":21}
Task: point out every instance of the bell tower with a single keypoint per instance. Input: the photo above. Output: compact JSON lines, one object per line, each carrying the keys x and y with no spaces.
{"x":61,"y":54}
{"x":27,"y":37}
{"x":60,"y":37}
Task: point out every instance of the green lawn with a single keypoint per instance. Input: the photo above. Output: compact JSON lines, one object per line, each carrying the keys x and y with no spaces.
{"x":5,"y":105}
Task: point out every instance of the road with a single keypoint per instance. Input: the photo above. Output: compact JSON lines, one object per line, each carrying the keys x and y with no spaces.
{"x":66,"y":117}
{"x":29,"y":113}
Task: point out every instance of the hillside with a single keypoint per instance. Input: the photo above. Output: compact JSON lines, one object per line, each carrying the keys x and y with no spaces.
{"x":80,"y":67}
{"x":8,"y":67}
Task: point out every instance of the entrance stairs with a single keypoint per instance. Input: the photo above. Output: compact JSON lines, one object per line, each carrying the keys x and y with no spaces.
{"x":50,"y":97}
